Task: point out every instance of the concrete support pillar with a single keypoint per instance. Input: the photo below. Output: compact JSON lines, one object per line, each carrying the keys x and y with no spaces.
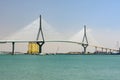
{"x":40,"y":46}
{"x":110,"y":51}
{"x":102,"y":49}
{"x":13,"y":48}
{"x":106,"y":50}
{"x":95,"y":48}
{"x":85,"y":47}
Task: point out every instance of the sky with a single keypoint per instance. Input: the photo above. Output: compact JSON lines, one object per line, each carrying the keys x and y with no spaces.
{"x":66,"y":16}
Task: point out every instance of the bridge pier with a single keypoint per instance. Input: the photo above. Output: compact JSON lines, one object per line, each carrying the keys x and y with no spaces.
{"x":96,"y":51}
{"x":40,"y":46}
{"x":95,"y":48}
{"x":13,"y":48}
{"x":85,"y":47}
{"x":106,"y":50}
{"x":102,"y":50}
{"x":110,"y":51}
{"x":119,"y":51}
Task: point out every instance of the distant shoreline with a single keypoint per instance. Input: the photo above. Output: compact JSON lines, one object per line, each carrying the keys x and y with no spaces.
{"x":18,"y":53}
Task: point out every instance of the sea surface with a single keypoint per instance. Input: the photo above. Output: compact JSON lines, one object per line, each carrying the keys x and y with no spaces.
{"x":60,"y":67}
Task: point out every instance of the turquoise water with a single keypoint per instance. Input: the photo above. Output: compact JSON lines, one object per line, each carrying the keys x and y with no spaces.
{"x":60,"y":67}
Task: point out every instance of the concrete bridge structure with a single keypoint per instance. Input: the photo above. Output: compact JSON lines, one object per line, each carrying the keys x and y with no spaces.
{"x":35,"y":46}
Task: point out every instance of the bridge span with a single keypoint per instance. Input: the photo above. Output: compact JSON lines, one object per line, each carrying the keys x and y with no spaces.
{"x":40,"y":43}
{"x":103,"y":49}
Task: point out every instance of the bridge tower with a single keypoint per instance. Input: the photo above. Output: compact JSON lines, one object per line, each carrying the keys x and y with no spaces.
{"x":85,"y":40}
{"x":40,"y":32}
{"x":36,"y":47}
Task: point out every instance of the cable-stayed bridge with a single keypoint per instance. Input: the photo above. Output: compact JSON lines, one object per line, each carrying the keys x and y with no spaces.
{"x":85,"y":43}
{"x":103,"y":49}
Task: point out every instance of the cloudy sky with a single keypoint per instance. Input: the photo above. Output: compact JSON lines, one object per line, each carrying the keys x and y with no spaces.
{"x":102,"y":17}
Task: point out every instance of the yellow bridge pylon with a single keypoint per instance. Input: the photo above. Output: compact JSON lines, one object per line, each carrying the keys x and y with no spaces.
{"x":33,"y":48}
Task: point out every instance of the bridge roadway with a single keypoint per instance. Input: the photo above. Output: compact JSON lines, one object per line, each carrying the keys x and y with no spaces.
{"x":59,"y":41}
{"x":80,"y":43}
